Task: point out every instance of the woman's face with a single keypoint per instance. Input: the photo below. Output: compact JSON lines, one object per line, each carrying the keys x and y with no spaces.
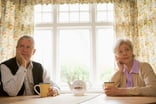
{"x":124,"y":54}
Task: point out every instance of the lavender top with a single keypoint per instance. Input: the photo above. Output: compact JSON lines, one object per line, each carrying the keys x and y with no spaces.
{"x":134,"y":70}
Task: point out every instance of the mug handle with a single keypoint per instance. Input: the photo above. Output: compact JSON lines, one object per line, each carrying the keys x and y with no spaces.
{"x":36,"y":89}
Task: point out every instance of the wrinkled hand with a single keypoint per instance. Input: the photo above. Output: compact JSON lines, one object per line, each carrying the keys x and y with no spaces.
{"x":119,"y":63}
{"x":53,"y":92}
{"x":113,"y":91}
{"x":21,"y":60}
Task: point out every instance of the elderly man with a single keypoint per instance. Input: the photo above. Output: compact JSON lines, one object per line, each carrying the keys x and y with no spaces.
{"x":20,"y":74}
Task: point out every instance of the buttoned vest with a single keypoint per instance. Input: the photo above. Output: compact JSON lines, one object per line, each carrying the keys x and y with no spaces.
{"x":37,"y":72}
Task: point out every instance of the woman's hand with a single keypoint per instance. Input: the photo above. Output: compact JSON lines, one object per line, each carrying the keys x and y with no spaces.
{"x":119,"y":63}
{"x":114,"y":91}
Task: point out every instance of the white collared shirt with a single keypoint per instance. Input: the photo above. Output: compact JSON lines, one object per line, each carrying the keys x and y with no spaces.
{"x":28,"y":81}
{"x":13,"y":83}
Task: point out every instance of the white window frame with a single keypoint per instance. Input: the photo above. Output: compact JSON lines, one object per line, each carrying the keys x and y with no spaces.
{"x":56,"y":26}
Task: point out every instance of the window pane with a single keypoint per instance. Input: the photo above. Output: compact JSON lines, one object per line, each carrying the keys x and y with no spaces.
{"x":105,"y":56}
{"x":73,"y":13}
{"x":102,"y":16}
{"x":111,"y":16}
{"x":74,"y":16}
{"x":44,"y":51}
{"x":37,"y":18}
{"x":63,"y":17}
{"x":43,"y":14}
{"x":63,"y":7}
{"x":84,"y":16}
{"x":47,"y":17}
{"x":101,"y":7}
{"x":84,"y":7}
{"x":104,"y":13}
{"x":38,"y":8}
{"x":74,"y":54}
{"x":74,"y":7}
{"x":47,"y":8}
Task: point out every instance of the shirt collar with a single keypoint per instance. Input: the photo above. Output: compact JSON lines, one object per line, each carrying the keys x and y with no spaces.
{"x":29,"y":67}
{"x":135,"y":67}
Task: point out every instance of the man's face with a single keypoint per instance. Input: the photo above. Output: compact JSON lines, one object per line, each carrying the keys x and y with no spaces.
{"x":26,"y":48}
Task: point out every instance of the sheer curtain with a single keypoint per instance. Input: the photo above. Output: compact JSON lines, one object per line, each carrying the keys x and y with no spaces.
{"x":134,"y":19}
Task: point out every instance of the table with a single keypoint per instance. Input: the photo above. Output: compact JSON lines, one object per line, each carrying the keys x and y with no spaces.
{"x":66,"y":98}
{"x":89,"y":98}
{"x":103,"y":99}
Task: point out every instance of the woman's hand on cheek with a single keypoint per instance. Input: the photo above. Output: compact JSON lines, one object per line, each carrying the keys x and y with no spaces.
{"x":119,"y":63}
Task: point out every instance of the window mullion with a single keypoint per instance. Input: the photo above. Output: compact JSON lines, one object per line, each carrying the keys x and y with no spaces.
{"x":93,"y":45}
{"x":55,"y":45}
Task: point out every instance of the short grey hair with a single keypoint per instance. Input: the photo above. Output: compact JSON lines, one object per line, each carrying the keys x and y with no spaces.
{"x":119,"y":42}
{"x":26,"y":37}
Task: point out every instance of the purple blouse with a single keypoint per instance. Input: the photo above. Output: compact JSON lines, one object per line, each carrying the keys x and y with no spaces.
{"x":135,"y":69}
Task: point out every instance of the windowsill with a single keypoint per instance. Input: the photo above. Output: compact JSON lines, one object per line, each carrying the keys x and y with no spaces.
{"x":87,"y":91}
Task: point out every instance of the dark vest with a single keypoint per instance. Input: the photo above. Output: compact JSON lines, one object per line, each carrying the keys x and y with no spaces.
{"x":37,"y":72}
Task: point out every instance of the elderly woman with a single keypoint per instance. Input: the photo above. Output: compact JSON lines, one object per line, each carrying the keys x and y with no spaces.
{"x":132,"y":77}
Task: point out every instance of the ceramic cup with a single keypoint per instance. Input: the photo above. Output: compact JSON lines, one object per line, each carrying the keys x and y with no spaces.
{"x":108,"y":84}
{"x":44,"y":89}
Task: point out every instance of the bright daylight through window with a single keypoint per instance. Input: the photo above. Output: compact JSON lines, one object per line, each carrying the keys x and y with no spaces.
{"x":75,"y":41}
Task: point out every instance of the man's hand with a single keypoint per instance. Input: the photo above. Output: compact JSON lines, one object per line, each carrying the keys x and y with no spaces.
{"x":21,"y":59}
{"x":53,"y":92}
